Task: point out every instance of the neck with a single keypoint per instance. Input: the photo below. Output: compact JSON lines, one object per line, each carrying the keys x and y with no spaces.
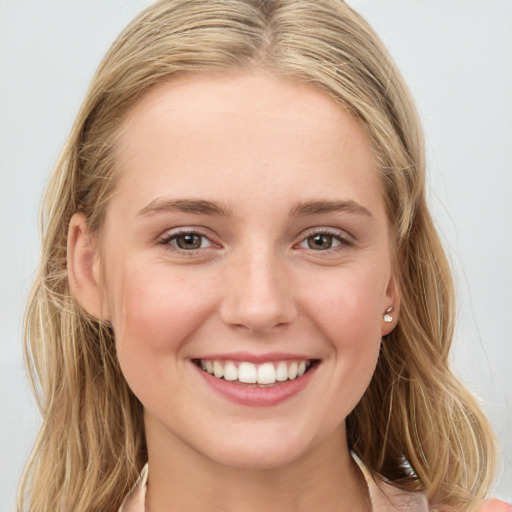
{"x":326,"y":478}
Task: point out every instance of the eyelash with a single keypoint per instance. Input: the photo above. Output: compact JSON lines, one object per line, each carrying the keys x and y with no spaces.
{"x":335,"y":235}
{"x":168,"y":239}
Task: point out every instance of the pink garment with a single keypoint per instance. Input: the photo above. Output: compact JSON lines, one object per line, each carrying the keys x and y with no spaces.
{"x":494,"y":505}
{"x":387,"y":498}
{"x":134,"y":501}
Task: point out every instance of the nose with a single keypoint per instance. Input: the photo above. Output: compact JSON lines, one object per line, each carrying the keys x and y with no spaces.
{"x":257,"y":295}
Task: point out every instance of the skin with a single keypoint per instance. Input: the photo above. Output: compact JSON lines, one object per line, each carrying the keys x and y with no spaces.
{"x":494,"y":505}
{"x":259,"y":147}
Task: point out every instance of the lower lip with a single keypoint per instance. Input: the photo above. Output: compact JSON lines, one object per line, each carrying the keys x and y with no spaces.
{"x":255,"y":396}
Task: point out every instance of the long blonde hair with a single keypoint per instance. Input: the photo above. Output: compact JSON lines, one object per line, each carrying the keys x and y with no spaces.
{"x":416,"y":424}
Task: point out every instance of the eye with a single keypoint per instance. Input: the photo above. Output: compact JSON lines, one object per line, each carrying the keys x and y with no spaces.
{"x":323,"y":241}
{"x":186,"y":240}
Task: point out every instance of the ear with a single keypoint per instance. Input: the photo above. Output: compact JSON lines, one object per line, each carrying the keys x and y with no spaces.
{"x":83,"y":265}
{"x":392,"y":306}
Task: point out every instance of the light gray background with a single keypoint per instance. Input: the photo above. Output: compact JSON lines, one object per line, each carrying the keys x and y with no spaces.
{"x":455,"y":54}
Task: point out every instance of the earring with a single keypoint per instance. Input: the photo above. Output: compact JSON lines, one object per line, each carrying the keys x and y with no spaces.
{"x":387,"y":317}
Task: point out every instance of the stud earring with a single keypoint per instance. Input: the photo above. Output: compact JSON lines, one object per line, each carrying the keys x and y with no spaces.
{"x":387,"y":317}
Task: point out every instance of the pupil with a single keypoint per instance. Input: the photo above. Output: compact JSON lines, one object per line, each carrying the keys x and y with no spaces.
{"x":191,"y":241}
{"x":320,"y":242}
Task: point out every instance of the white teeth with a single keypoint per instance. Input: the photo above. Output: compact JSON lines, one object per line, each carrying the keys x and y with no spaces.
{"x":249,"y":373}
{"x":218,"y":369}
{"x":230,"y":371}
{"x":282,"y":372}
{"x":266,"y":374}
{"x":292,"y":371}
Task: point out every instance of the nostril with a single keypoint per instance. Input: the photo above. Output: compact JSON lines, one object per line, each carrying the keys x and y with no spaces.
{"x":258,"y":318}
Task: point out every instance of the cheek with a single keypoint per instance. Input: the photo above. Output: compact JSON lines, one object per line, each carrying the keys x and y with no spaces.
{"x":154,"y":312}
{"x":348,"y":303}
{"x":361,"y":322}
{"x":346,"y":308}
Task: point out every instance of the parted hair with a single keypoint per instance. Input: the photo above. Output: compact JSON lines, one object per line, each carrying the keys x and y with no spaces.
{"x":416,"y":424}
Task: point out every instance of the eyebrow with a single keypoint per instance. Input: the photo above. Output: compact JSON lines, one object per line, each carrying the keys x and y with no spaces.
{"x":202,"y":206}
{"x":199,"y":206}
{"x":326,"y":206}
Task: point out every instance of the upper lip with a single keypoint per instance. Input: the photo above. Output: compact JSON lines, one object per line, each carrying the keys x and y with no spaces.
{"x":255,"y":358}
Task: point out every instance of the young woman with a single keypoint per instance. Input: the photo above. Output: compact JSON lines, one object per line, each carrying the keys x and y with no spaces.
{"x":242,"y":297}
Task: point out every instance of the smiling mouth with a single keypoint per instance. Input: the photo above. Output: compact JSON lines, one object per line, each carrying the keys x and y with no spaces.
{"x":258,"y":375}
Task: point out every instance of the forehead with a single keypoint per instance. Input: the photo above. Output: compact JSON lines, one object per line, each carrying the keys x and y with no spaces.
{"x":244,"y":131}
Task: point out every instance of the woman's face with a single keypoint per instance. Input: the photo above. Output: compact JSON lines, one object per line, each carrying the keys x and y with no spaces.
{"x":247,"y":237}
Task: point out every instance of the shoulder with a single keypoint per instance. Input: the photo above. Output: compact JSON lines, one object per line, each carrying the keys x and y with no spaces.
{"x":385,"y":497}
{"x":495,"y":505}
{"x":388,"y":498}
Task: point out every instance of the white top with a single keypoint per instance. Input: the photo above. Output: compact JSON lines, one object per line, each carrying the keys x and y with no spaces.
{"x":383,"y":496}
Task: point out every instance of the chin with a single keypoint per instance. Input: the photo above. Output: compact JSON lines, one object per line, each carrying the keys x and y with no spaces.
{"x":263,"y":450}
{"x":257,"y":459}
